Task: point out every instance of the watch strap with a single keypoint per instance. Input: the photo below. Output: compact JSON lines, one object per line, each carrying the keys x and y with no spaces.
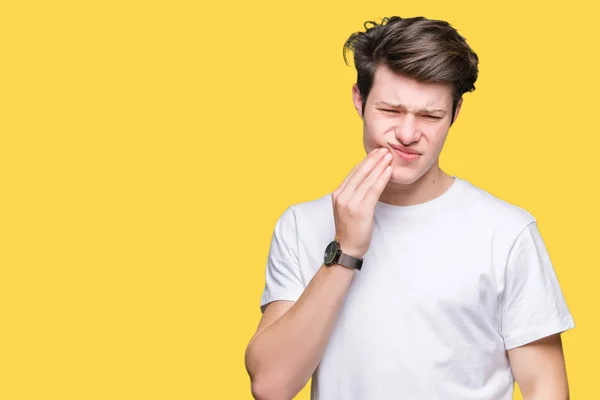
{"x":350,"y":262}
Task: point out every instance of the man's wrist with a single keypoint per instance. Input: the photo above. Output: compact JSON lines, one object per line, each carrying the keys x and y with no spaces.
{"x":356,"y":253}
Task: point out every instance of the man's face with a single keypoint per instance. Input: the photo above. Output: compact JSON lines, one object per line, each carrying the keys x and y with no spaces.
{"x":409,"y":118}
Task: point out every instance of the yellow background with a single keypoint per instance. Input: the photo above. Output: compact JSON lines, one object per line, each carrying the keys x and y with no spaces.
{"x":147,"y":149}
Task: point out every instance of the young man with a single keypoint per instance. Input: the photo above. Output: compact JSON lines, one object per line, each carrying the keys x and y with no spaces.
{"x":430,"y":288}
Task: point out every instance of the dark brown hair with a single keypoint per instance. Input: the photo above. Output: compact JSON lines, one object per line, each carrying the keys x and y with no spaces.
{"x":430,"y":51}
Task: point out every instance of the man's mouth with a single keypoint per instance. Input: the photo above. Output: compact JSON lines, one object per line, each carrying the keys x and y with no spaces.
{"x":405,"y":153}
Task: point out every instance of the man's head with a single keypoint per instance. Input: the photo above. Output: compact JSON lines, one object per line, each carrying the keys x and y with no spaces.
{"x":411,"y":75}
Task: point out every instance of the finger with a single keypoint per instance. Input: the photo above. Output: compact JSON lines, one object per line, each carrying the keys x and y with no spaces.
{"x":372,"y":153}
{"x":360,"y":174}
{"x":365,"y":186}
{"x":372,"y":196}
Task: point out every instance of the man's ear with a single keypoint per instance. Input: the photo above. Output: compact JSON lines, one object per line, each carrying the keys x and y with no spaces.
{"x":458,"y":105}
{"x":357,"y":100}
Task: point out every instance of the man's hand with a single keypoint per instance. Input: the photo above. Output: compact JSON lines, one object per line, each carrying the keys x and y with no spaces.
{"x":355,"y":199}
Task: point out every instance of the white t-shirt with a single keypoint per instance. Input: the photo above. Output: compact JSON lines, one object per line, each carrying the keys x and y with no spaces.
{"x":446,"y":288}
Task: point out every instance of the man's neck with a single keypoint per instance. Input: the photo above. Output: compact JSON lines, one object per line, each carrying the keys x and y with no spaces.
{"x":431,"y":185}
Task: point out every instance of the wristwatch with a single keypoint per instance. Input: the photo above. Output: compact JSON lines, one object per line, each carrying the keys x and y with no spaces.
{"x":334,"y":255}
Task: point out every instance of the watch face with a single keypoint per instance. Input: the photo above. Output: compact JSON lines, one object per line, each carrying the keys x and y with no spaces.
{"x":331,"y":252}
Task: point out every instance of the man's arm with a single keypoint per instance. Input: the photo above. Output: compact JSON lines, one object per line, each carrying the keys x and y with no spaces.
{"x":291,"y":337}
{"x":539,"y":369}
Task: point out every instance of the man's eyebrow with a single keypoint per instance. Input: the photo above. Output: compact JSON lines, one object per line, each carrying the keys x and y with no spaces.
{"x":400,"y":106}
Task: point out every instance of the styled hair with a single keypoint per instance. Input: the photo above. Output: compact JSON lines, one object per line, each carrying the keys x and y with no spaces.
{"x":429,"y":51}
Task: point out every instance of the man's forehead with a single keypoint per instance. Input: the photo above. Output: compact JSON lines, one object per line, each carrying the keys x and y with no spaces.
{"x":392,"y":88}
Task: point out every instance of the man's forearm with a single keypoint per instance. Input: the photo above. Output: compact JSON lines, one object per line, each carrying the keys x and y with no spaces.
{"x":282,"y":358}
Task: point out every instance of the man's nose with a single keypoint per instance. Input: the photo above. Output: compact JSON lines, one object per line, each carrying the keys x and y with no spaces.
{"x":407,"y":130}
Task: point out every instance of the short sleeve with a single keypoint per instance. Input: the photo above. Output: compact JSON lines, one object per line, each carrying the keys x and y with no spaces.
{"x":533,"y":305}
{"x":283,"y":280}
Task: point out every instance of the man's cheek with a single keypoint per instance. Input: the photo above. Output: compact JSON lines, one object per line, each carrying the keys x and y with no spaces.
{"x":374,"y":139}
{"x":369,"y":144}
{"x":384,"y":127}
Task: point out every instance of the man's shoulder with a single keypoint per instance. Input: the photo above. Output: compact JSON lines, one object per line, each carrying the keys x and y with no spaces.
{"x":313,"y":207}
{"x":490,"y":206}
{"x":310,"y":216}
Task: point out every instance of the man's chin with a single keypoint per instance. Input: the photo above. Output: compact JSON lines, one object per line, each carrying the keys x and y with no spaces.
{"x":404,"y":176}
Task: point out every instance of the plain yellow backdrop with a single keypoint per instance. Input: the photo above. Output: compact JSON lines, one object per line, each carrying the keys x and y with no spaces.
{"x":148,"y":147}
